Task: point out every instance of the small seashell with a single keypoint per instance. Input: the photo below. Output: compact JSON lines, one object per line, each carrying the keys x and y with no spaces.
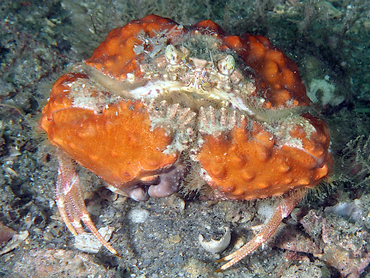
{"x":173,"y":55}
{"x":216,"y":246}
{"x":226,"y":65}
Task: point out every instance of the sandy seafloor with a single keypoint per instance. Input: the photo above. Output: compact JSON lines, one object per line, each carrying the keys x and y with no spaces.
{"x":327,"y":235}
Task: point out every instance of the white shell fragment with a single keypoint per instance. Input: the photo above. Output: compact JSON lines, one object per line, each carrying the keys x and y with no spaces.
{"x":16,"y":240}
{"x":88,"y":243}
{"x":216,"y":246}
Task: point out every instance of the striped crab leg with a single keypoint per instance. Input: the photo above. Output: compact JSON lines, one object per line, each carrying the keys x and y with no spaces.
{"x":285,"y":207}
{"x":70,"y":201}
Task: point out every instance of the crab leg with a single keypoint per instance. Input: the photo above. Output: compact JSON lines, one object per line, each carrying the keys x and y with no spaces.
{"x":70,"y":201}
{"x":66,"y":211}
{"x":283,"y":210}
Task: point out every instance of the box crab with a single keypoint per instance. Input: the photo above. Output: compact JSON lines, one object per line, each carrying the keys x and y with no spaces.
{"x":159,"y":102}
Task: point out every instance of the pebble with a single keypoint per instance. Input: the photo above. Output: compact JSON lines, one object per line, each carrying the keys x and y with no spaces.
{"x":138,"y":215}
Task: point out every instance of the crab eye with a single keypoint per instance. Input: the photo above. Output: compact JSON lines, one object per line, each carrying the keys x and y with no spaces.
{"x":173,"y":56}
{"x":226,"y":65}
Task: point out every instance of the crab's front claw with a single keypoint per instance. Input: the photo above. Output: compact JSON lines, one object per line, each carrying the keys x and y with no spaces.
{"x":70,"y":202}
{"x":286,"y":205}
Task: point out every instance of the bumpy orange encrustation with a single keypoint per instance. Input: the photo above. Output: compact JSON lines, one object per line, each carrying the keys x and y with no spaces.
{"x":158,"y":102}
{"x":247,"y":165}
{"x":118,"y":144}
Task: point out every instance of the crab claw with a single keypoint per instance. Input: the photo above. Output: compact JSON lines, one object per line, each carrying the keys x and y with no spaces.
{"x":71,"y":205}
{"x":287,"y":204}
